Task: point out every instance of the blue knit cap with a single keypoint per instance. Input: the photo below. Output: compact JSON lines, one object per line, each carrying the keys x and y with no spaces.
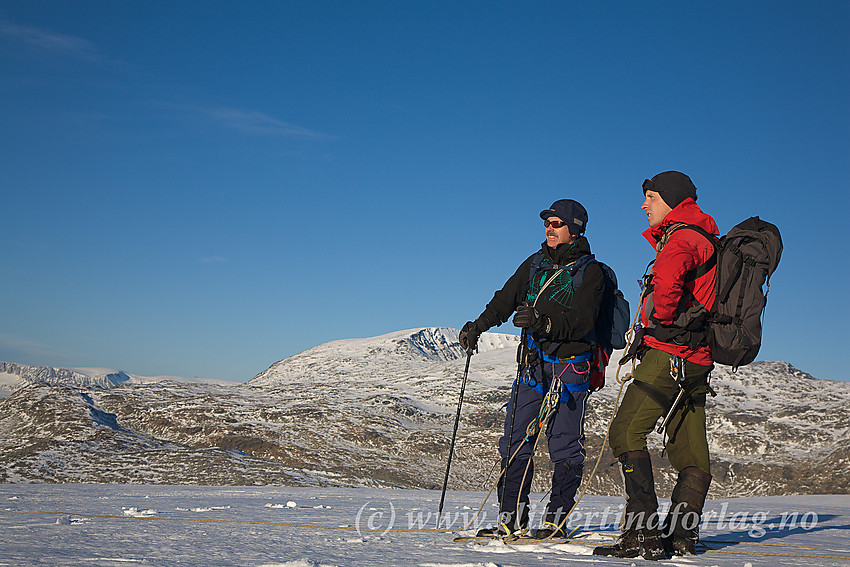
{"x":569,"y":211}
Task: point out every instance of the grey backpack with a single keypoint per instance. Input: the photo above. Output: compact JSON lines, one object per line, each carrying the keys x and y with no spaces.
{"x":745,"y":258}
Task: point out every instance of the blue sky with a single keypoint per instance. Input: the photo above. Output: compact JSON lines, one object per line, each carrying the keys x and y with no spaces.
{"x":204,"y":188}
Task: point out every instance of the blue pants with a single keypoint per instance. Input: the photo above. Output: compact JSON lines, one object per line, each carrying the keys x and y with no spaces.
{"x":564,"y":432}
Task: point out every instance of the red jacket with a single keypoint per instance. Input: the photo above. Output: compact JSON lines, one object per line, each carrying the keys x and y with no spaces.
{"x":685,"y":250}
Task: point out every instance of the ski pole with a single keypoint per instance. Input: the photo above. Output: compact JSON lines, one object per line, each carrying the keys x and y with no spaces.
{"x":508,"y":457}
{"x":454,"y":436}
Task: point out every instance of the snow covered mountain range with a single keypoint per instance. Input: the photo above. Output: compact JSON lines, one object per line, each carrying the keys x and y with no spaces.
{"x":13,"y":376}
{"x":379,"y":412}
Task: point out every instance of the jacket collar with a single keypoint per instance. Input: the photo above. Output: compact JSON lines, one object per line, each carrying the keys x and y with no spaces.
{"x":566,"y":253}
{"x":687,"y":212}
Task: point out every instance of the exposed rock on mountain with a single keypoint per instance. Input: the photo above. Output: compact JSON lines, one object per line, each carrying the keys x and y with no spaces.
{"x":379,"y":412}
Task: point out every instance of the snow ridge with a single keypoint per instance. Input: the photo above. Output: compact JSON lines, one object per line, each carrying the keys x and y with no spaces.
{"x":14,"y":376}
{"x":100,"y":378}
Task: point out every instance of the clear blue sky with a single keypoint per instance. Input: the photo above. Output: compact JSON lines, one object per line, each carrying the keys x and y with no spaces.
{"x":204,"y":188}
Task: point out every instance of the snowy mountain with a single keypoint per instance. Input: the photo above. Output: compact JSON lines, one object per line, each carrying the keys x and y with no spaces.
{"x":13,"y":376}
{"x":16,"y":375}
{"x":378,"y":412}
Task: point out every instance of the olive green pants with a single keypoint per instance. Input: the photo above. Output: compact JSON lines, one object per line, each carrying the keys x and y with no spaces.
{"x":644,"y":403}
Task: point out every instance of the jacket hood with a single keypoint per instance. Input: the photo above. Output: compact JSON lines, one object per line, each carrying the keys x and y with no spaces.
{"x":687,"y":212}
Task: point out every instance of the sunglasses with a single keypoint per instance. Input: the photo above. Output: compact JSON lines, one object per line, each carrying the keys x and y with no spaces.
{"x":554,"y":223}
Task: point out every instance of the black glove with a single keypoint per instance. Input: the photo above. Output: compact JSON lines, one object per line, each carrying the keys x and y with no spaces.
{"x":468,"y":337}
{"x":527,"y":316}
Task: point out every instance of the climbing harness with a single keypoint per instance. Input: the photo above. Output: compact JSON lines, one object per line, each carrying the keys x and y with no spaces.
{"x":630,"y":336}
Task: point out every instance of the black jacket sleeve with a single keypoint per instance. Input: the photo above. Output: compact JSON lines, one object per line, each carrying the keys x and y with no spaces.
{"x":506,"y":300}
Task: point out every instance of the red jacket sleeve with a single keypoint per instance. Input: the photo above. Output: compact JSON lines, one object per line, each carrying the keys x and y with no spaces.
{"x":685,"y":250}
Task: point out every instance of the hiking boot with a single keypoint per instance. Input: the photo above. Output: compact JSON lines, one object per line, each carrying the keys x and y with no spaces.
{"x":508,"y":524}
{"x":682,"y":546}
{"x":492,"y":531}
{"x":681,"y":526}
{"x":641,"y":511}
{"x":633,"y":543}
{"x":550,"y":530}
{"x":565,"y":482}
{"x":641,"y":536}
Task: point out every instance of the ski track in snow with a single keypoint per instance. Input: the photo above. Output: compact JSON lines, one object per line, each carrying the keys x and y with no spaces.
{"x":104,"y":525}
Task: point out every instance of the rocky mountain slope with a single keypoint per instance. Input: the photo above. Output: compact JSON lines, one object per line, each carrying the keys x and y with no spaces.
{"x":379,"y":412}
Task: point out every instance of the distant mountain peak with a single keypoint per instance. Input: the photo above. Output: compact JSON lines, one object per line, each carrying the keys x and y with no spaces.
{"x":442,"y":343}
{"x":399,"y":349}
{"x":437,"y":343}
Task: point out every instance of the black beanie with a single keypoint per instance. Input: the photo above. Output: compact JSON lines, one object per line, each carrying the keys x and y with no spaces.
{"x":673,"y":186}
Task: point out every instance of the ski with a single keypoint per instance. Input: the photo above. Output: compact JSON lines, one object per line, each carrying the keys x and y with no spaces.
{"x":518,"y":539}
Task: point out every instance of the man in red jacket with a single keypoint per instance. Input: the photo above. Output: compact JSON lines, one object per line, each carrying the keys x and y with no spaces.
{"x":674,"y":357}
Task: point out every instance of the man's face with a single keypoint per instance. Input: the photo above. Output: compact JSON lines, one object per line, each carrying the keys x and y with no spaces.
{"x":555,"y":236}
{"x":655,"y":207}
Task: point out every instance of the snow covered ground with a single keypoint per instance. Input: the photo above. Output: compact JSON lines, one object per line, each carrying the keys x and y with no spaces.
{"x":109,"y":525}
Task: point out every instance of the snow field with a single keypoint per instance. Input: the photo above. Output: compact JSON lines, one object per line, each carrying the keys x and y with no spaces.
{"x":73,"y":524}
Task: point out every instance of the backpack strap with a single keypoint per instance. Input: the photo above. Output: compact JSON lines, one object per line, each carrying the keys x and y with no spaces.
{"x":539,"y":262}
{"x":577,"y":269}
{"x":536,"y":261}
{"x":701,"y":270}
{"x":695,"y":337}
